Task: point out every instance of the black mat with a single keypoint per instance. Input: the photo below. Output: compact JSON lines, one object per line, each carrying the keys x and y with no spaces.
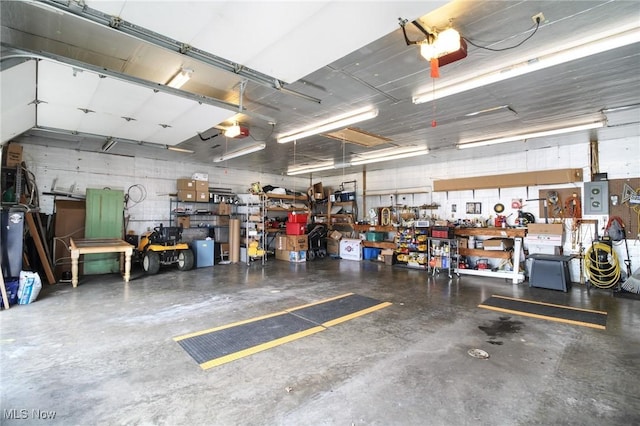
{"x":548,"y":311}
{"x":220,"y":345}
{"x":335,"y":311}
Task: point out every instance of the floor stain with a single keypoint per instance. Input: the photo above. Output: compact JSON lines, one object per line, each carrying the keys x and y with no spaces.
{"x":501,"y":328}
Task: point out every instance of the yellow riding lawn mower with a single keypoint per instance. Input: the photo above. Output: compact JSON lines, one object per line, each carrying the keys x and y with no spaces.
{"x":162,"y":247}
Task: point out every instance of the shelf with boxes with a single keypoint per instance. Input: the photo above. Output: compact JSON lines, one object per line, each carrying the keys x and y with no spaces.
{"x":376,"y":241}
{"x":497,"y":243}
{"x":282,"y":210}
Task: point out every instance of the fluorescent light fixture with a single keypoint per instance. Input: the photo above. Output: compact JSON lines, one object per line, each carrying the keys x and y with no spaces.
{"x":602,"y":42}
{"x":177,"y":149}
{"x":233,"y":131}
{"x":181,"y":78}
{"x":337,"y":122}
{"x":477,"y":143}
{"x":240,"y":152}
{"x":109,"y":144}
{"x":390,"y":156}
{"x":310,"y":168}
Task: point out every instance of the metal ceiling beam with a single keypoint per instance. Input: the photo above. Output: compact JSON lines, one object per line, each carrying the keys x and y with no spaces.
{"x":78,"y":8}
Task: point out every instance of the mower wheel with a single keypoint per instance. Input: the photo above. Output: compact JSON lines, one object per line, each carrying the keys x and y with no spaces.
{"x":151,"y":262}
{"x":185,"y":260}
{"x":311,"y":255}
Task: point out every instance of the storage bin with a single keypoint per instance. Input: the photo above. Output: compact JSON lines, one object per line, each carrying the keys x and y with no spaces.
{"x":375,"y":236}
{"x":294,"y":228}
{"x":347,"y":196}
{"x":297,"y":217}
{"x":442,"y":232}
{"x":369,"y":253}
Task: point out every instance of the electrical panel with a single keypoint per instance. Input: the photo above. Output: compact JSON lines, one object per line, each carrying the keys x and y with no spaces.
{"x":596,"y":197}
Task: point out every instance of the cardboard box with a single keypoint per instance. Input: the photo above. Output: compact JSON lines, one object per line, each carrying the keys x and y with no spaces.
{"x":463,"y":243}
{"x":201,"y":176}
{"x":188,"y":184}
{"x":333,"y":246}
{"x":224,"y":209}
{"x":318,"y":192}
{"x":498,"y":244}
{"x":185,"y":221}
{"x":186,"y":195}
{"x":351,"y":249}
{"x":545,"y":228}
{"x":335,"y":235}
{"x":292,"y":242}
{"x":292,"y":256}
{"x":12,"y":155}
{"x":202,"y":196}
{"x":202,"y":185}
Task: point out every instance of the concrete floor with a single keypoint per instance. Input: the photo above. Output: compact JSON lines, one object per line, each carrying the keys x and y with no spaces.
{"x":103,"y":353}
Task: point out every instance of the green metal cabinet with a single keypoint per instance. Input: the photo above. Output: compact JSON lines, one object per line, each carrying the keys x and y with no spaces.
{"x":104,"y":219}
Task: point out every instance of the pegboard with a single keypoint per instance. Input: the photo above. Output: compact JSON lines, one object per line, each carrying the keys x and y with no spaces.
{"x":629,"y":213}
{"x":569,"y":204}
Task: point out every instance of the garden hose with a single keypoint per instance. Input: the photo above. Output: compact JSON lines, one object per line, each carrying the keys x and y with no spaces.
{"x":602,"y":266}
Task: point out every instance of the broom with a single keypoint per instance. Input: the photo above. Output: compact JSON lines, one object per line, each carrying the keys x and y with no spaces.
{"x":632,"y":284}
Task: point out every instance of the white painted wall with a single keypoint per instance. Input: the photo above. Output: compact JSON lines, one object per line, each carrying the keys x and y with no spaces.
{"x":150,"y":181}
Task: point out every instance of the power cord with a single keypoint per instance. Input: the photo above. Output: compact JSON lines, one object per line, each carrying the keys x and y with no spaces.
{"x":510,"y":47}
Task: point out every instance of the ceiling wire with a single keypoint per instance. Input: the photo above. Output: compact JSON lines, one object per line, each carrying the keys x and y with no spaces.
{"x":535,"y":30}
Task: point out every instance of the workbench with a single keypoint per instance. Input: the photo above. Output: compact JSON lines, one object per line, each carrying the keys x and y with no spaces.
{"x":100,"y":245}
{"x":517,"y":234}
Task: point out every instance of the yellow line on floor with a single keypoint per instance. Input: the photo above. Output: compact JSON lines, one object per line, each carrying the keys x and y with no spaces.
{"x":356,"y":314}
{"x":527,"y":314}
{"x":550,"y":304}
{"x":342,"y":296}
{"x":259,"y":348}
{"x":222,"y":327}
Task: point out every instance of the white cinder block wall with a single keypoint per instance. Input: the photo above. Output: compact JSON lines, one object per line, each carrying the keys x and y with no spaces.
{"x":148,"y":182}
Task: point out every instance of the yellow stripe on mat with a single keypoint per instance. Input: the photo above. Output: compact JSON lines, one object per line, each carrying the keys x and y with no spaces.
{"x":527,"y":314}
{"x":356,"y":314}
{"x":259,"y":348}
{"x":550,"y":304}
{"x":222,"y":327}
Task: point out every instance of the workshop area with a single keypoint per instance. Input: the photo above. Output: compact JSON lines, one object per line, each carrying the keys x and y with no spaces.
{"x":322,"y":212}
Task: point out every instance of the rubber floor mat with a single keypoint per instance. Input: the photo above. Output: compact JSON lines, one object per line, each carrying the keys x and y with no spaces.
{"x":548,"y":311}
{"x":216,"y":346}
{"x":334,"y":311}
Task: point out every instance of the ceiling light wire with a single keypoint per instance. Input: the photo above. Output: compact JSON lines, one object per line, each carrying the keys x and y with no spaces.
{"x":535,"y":30}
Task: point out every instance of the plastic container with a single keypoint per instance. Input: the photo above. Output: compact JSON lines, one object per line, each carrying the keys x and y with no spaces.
{"x":294,"y":228}
{"x":297,"y":217}
{"x":375,"y":236}
{"x":370,"y":253}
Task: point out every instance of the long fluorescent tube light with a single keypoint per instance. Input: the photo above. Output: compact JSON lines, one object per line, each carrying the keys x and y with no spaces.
{"x":180,"y":79}
{"x":599,"y":43}
{"x":414,"y":153}
{"x":177,"y":149}
{"x":475,"y":144}
{"x":337,"y":122}
{"x":240,"y":152}
{"x":310,"y":168}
